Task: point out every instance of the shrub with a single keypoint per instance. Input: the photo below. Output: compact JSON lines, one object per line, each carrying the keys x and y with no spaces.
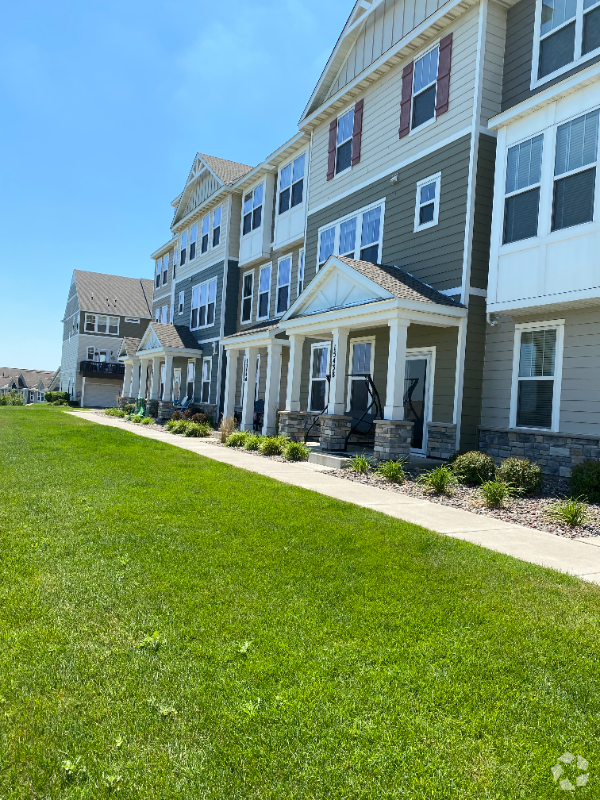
{"x":226,"y":428}
{"x":177,"y":415}
{"x":197,"y":429}
{"x":474,"y":468}
{"x":521,"y":474}
{"x":361,"y":464}
{"x":236,"y":439}
{"x":571,"y":511}
{"x":392,"y":471}
{"x":147,"y":421}
{"x":455,"y":455}
{"x":585,"y":481}
{"x":114,"y":412}
{"x":438,"y":480}
{"x":12,"y":398}
{"x":52,"y":397}
{"x":494,"y":493}
{"x":136,"y":418}
{"x":252,"y":442}
{"x":199,"y":417}
{"x":296,"y":451}
{"x":273,"y":445}
{"x":129,"y":408}
{"x":176,"y":425}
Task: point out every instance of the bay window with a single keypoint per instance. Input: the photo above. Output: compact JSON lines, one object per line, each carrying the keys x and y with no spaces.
{"x":523,"y":177}
{"x":203,"y":305}
{"x":575,"y":171}
{"x":247,"y":291}
{"x":537,"y":370}
{"x":193,"y":238}
{"x":425,"y":88}
{"x":264,"y":292}
{"x":284,"y":271}
{"x":253,"y":209}
{"x":216,"y":226}
{"x":291,"y":184}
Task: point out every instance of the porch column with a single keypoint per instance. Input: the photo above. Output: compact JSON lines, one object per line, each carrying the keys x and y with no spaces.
{"x":230,"y":383}
{"x":155,"y":382}
{"x":145,"y":364}
{"x":394,"y":395}
{"x":168,"y":390}
{"x":337,"y":385}
{"x":135,"y":381}
{"x":127,"y":379}
{"x":248,"y":406}
{"x":294,"y":373}
{"x":272,"y":391}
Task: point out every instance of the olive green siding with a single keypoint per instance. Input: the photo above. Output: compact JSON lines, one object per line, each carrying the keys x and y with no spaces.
{"x":473,"y":373}
{"x":484,"y":198}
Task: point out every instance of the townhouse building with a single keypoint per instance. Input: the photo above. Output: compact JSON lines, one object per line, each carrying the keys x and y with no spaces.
{"x":31,"y":383}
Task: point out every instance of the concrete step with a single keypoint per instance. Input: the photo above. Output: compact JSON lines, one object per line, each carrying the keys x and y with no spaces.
{"x":327,"y":460}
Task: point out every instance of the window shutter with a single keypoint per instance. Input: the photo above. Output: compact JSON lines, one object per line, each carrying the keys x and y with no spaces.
{"x":332,"y":146}
{"x":357,"y":131}
{"x":407,"y":82}
{"x":443,"y":77}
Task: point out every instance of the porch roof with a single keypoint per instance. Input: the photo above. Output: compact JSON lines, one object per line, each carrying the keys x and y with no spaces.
{"x":161,"y":340}
{"x":129,"y":346}
{"x":177,"y":336}
{"x":267,"y":330}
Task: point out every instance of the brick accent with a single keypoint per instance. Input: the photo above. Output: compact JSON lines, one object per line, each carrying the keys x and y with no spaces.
{"x":334,"y":430}
{"x":293,"y":424}
{"x":165,"y":410}
{"x":392,"y":439}
{"x":556,"y":453}
{"x":441,"y":439}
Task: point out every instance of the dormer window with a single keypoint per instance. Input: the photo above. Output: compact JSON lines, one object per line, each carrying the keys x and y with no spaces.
{"x":343,"y":156}
{"x":205,"y":230}
{"x":425,"y":88}
{"x":183,"y":251}
{"x":291,"y":184}
{"x":216,"y":227}
{"x":253,"y":209}
{"x":193,"y":237}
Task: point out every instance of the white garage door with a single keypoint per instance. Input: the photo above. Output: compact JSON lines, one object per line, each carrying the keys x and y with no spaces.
{"x":101,"y":394}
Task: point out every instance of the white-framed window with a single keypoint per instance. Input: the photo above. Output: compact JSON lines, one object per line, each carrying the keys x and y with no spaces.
{"x":181,"y":302}
{"x":132,"y":319}
{"x":264,"y":292}
{"x":257,"y":378}
{"x":90,"y":353}
{"x":100,"y":323}
{"x":575,"y":171}
{"x":537,"y":374}
{"x":190,"y":380}
{"x":427,"y":205}
{"x":157,"y":314}
{"x":216,"y":235}
{"x":359,"y":236}
{"x":424,"y":88}
{"x":193,"y":238}
{"x":174,"y":260}
{"x":157,"y":273}
{"x":567,"y":32}
{"x":300,"y":272}
{"x":206,"y":373}
{"x":165,"y":268}
{"x":203,"y":305}
{"x":284,"y":274}
{"x":205,"y":232}
{"x":164,"y":315}
{"x":183,"y":248}
{"x":253,"y":202}
{"x":343,"y":150}
{"x":362,"y":360}
{"x":523,"y":178}
{"x":318,"y":396}
{"x":291,"y":184}
{"x":247,"y":292}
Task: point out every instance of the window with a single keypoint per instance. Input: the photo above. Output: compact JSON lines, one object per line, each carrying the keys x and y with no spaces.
{"x":257,"y":378}
{"x":95,"y":323}
{"x":203,"y":304}
{"x":174,"y":259}
{"x":425,"y":88}
{"x":190,"y":380}
{"x":357,"y":236}
{"x":427,"y":206}
{"x":369,"y":240}
{"x":319,"y":385}
{"x":326,"y":245}
{"x":205,"y":229}
{"x":362,"y":352}
{"x":90,"y":353}
{"x":164,"y":315}
{"x":206,"y":373}
{"x":247,"y":290}
{"x":568,"y":32}
{"x":300,"y":272}
{"x":264,"y":291}
{"x":537,"y":369}
{"x":157,"y":273}
{"x":132,"y":319}
{"x":157,"y":315}
{"x":284,"y":271}
{"x":183,"y":250}
{"x":575,"y":172}
{"x":348,"y":237}
{"x":181,"y":301}
{"x":193,"y":237}
{"x":90,"y":323}
{"x":165,"y":266}
{"x":343,"y":156}
{"x":291,"y":184}
{"x":253,"y":210}
{"x":216,"y":226}
{"x":523,"y":175}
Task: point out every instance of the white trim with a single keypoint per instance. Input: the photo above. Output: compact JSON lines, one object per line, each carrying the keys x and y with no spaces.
{"x":276,"y":312}
{"x":291,"y":163}
{"x":268,"y":266}
{"x":352,"y":342}
{"x":198,"y":287}
{"x":359,"y":213}
{"x":181,"y":303}
{"x":132,"y":320}
{"x":424,"y":89}
{"x":437,"y":181}
{"x":338,"y":144}
{"x":301,"y":260}
{"x":313,"y":347}
{"x":429,"y":354}
{"x":97,"y":316}
{"x":559,"y":326}
{"x":249,"y":320}
{"x":206,"y":360}
{"x":263,"y":182}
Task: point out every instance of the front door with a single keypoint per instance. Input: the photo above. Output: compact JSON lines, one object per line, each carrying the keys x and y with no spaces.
{"x":319,"y":365}
{"x":417,"y":395}
{"x":361,"y":364}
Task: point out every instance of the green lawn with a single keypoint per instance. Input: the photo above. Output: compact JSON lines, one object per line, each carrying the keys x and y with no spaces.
{"x":307,"y":648}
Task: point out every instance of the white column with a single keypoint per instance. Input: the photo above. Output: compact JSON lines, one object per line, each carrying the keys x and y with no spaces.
{"x":337,"y":384}
{"x":394,"y":395}
{"x":294,"y":373}
{"x":143,"y":377}
{"x":230,"y":382}
{"x":127,"y":379}
{"x":135,"y":379}
{"x":248,"y":406}
{"x":168,"y":390}
{"x":272,"y":390}
{"x":155,"y":382}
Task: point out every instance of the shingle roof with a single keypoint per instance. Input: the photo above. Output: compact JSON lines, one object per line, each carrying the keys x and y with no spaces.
{"x":9,"y":372}
{"x":228,"y":171}
{"x":175,"y":336}
{"x":33,"y":376}
{"x":260,"y":327}
{"x":131,"y":345}
{"x":399,"y":283}
{"x":114,"y":294}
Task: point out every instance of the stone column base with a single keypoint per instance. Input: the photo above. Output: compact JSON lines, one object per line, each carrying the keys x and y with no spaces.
{"x":165,"y":410}
{"x":334,"y":430}
{"x":293,"y":424}
{"x":152,"y":408}
{"x":125,"y":401}
{"x":392,"y":439}
{"x":441,"y":439}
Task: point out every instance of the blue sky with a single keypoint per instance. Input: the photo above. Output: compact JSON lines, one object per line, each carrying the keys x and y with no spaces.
{"x":104,"y":105}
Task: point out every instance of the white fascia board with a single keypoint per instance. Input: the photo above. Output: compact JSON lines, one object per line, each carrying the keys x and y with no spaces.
{"x":547,"y":96}
{"x":158,"y":352}
{"x":576,"y":299}
{"x":218,"y":196}
{"x":259,"y":339}
{"x":163,"y":248}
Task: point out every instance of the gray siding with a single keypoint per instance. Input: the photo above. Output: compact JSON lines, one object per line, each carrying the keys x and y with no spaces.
{"x":473,"y":374}
{"x":445,"y":341}
{"x":134,"y":330}
{"x":230,"y":324}
{"x":186,"y":285}
{"x":434,"y":255}
{"x":484,"y":198}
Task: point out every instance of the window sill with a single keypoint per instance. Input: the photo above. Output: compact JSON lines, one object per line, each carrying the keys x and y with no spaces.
{"x":423,"y":126}
{"x":425,"y":227}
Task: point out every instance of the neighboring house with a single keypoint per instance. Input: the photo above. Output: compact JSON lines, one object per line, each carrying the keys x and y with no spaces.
{"x":541,"y":392}
{"x":101,"y":311}
{"x":32,"y":383}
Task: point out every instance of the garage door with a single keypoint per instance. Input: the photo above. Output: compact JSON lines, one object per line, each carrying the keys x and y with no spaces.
{"x":101,"y":394}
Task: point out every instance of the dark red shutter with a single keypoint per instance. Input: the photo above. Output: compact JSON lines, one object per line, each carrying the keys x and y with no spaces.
{"x":407,"y":82}
{"x":332,"y":146}
{"x":357,"y":131}
{"x":443,"y":77}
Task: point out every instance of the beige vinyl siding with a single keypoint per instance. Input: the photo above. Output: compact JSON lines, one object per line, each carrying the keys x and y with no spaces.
{"x":381,"y":147}
{"x":212,"y":255}
{"x":495,"y":42}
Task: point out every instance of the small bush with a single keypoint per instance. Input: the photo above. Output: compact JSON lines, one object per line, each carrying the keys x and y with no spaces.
{"x":585,"y":481}
{"x":136,"y":418}
{"x":12,"y":398}
{"x":296,"y":451}
{"x":177,"y":415}
{"x":114,"y":412}
{"x":252,"y":442}
{"x":236,"y":439}
{"x":474,"y":468}
{"x":392,"y":471}
{"x":199,"y":417}
{"x":52,"y":397}
{"x":361,"y":464}
{"x":438,"y":480}
{"x":571,"y":511}
{"x":521,"y":474}
{"x":147,"y":421}
{"x":129,"y":408}
{"x":175,"y":425}
{"x":226,"y":428}
{"x":197,"y":430}
{"x":272,"y":445}
{"x":495,"y":493}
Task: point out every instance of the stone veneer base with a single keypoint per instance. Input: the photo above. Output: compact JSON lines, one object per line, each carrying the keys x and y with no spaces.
{"x":165,"y":410}
{"x":441,"y":439}
{"x":334,"y":431}
{"x":293,"y":424}
{"x":152,"y":408}
{"x":392,"y":439}
{"x":126,"y":401}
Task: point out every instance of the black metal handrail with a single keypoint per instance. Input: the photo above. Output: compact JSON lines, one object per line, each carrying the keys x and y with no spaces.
{"x":319,"y":414}
{"x":375,"y":403}
{"x":102,"y":367}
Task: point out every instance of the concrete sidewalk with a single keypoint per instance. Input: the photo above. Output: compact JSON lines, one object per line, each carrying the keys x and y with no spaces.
{"x":580,"y":557}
